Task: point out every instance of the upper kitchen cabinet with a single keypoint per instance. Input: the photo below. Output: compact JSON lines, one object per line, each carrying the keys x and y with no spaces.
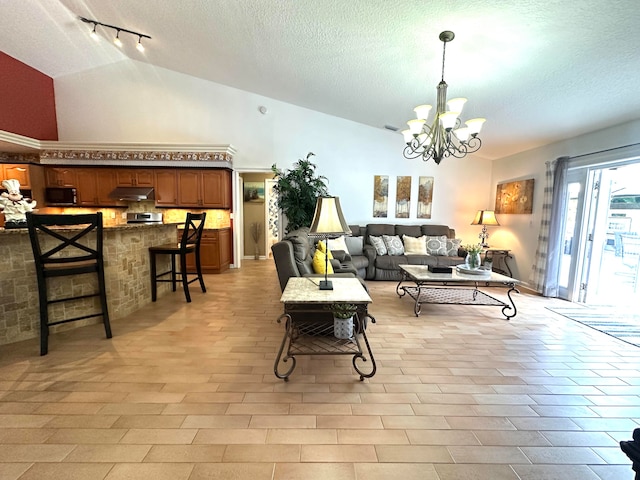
{"x":166,"y":188}
{"x":94,"y":186}
{"x":134,"y":178}
{"x":10,"y":171}
{"x":204,"y":188}
{"x":61,"y":176}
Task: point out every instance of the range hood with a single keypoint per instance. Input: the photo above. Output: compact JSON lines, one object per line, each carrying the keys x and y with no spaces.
{"x":132,"y":194}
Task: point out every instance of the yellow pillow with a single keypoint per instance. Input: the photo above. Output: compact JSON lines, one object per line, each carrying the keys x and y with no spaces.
{"x":322,"y":248}
{"x":319,"y":263}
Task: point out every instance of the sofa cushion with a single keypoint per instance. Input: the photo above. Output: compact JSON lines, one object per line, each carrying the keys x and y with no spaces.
{"x":453,"y":244}
{"x":337,"y":244}
{"x":379,"y":229}
{"x":415,"y":246}
{"x":394,"y":244}
{"x":378,"y":244}
{"x":323,"y":249}
{"x":437,"y":245}
{"x":354,"y":245}
{"x":319,"y":263}
{"x":390,"y":262}
{"x":422,"y":260}
{"x":435,"y":230}
{"x":408,"y":230}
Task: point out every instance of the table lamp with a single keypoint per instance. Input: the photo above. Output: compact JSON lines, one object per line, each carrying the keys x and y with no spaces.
{"x":484,"y":218}
{"x":328,"y":220}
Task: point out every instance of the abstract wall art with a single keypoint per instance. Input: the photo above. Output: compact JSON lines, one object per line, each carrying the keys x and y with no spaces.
{"x":403,"y":196}
{"x":425,"y":196}
{"x":380,"y":195}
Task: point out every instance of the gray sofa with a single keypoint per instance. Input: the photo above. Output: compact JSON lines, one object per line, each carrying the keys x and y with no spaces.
{"x":373,"y":266}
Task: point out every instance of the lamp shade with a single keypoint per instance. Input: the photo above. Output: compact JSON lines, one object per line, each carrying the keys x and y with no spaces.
{"x":328,"y":218}
{"x":485,"y":217}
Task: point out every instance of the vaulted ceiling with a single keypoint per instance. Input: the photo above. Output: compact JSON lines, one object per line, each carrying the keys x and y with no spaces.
{"x":539,"y":71}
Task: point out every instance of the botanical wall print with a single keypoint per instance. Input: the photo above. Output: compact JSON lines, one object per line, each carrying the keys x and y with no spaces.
{"x":403,"y":197}
{"x":380,"y":195}
{"x":425,"y":196}
{"x":515,"y":197}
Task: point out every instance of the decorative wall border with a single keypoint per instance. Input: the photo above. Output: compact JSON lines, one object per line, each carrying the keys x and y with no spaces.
{"x":136,"y":155}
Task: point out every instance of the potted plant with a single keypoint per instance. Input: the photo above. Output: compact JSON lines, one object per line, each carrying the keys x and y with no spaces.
{"x":473,"y":260}
{"x":297,"y":190}
{"x":343,"y":319}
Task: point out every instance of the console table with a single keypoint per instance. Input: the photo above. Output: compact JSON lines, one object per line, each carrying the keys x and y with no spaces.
{"x":455,"y":288}
{"x":498,"y":258}
{"x":309,"y":323}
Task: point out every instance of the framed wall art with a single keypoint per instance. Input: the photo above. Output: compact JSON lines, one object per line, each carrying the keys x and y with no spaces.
{"x":425,"y":196}
{"x":403,"y":196}
{"x":254,"y":192}
{"x":380,"y":195}
{"x":515,"y":197}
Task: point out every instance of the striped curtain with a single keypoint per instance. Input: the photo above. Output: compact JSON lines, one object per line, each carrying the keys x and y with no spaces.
{"x":546,"y":267}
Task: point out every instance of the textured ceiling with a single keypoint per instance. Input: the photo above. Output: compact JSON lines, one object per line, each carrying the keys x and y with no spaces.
{"x":539,"y":71}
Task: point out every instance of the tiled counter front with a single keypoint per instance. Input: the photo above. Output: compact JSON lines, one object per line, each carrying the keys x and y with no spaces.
{"x":127,"y":273}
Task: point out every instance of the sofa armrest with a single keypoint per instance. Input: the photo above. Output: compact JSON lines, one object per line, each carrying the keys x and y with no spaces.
{"x":370,"y":252}
{"x":341,"y":255}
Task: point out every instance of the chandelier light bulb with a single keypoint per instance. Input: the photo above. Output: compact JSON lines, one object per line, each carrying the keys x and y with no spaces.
{"x":93,"y":33}
{"x":444,"y":136}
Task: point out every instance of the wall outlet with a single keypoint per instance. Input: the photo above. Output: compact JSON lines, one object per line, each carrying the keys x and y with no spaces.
{"x":124,"y":215}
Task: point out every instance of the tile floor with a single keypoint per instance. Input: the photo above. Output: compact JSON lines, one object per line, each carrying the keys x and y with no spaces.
{"x":187,"y":391}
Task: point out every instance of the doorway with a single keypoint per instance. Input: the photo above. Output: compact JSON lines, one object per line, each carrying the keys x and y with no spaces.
{"x":602,"y":210}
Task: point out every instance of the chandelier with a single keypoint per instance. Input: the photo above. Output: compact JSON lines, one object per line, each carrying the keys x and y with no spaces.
{"x":445,"y":137}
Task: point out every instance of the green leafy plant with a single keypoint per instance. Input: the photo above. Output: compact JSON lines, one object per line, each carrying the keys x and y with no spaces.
{"x":298,"y":189}
{"x":343,"y":310}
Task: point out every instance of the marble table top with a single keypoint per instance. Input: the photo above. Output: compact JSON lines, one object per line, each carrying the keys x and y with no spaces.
{"x":307,"y":290}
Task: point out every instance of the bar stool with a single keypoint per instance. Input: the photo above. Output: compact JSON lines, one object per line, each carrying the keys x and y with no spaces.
{"x":190,"y":243}
{"x":65,"y":245}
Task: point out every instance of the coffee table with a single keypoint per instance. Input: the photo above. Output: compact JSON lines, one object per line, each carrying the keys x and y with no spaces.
{"x":457,"y":288}
{"x":309,"y":323}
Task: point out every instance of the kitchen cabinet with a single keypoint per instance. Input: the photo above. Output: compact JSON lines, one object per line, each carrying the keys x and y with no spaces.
{"x":134,"y":178}
{"x":94,"y":186}
{"x":215,"y":251}
{"x":166,"y":188}
{"x":60,"y":176}
{"x":204,"y":188}
{"x":10,"y":171}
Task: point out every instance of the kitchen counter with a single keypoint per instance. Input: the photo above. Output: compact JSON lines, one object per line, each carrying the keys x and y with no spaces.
{"x":124,"y":226}
{"x":127,"y":275}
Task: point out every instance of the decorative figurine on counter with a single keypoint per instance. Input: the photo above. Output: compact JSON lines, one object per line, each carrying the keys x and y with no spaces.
{"x":14,"y":205}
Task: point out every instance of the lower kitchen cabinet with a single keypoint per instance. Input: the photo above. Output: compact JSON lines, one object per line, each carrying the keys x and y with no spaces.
{"x":215,"y":251}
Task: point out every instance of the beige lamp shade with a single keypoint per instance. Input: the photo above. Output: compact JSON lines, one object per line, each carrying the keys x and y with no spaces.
{"x":328,"y":218}
{"x":485,"y":217}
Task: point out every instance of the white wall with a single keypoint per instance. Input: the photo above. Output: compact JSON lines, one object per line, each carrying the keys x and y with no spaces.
{"x":136,"y":102}
{"x":520,"y":232}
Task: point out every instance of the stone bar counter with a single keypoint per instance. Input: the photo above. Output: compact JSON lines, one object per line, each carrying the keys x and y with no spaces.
{"x":127,"y":275}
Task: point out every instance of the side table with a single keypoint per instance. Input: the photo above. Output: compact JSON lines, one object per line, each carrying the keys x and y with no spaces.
{"x":309,"y":323}
{"x":499,"y":259}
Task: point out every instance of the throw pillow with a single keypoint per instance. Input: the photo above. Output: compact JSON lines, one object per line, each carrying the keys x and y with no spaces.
{"x":337,"y":244}
{"x":415,"y":246}
{"x":453,"y":244}
{"x":319,"y":263}
{"x":378,"y":244}
{"x":323,"y":249}
{"x":355,"y":245}
{"x":393,"y":244}
{"x":437,"y":245}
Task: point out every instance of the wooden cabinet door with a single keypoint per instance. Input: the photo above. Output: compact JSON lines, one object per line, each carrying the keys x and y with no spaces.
{"x":166,"y":188}
{"x":88,"y":187}
{"x":134,"y":178}
{"x":224,"y":239}
{"x":189,"y":188}
{"x":212,"y":189}
{"x":60,"y":177}
{"x":105,"y":183}
{"x":16,"y":172}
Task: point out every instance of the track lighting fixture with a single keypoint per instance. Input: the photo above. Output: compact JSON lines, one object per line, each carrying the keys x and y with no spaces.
{"x":116,"y":40}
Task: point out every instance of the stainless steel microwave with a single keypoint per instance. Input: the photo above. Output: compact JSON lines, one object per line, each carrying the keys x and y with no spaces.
{"x":60,"y":196}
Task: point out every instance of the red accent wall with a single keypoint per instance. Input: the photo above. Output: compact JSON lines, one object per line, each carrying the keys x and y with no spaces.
{"x":27,"y":101}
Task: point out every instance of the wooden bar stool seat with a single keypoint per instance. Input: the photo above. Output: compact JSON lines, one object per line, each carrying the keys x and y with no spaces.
{"x":189,"y":244}
{"x":66,"y":245}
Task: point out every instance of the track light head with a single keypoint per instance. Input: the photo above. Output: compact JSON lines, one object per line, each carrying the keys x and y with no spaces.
{"x":94,"y":34}
{"x":139,"y":46}
{"x":117,"y":40}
